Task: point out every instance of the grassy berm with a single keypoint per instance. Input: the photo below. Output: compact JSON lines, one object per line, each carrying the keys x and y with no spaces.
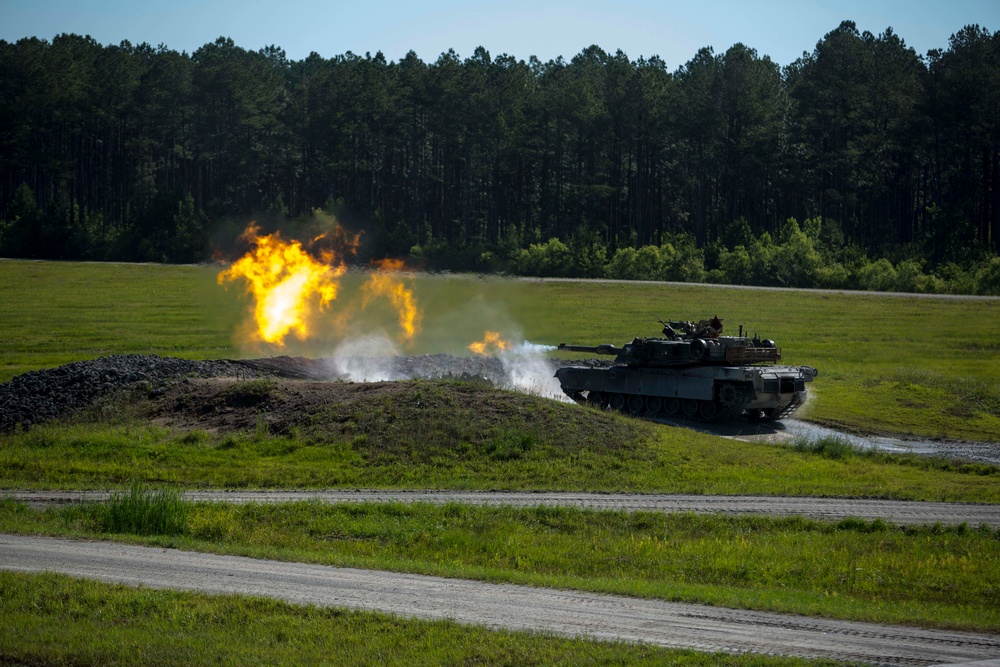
{"x":438,"y":434}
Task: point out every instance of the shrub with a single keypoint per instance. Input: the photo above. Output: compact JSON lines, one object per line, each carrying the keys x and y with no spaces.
{"x":737,"y":266}
{"x":988,"y":278}
{"x":909,"y":276}
{"x":878,"y":276}
{"x":622,"y":264}
{"x":648,"y":263}
{"x":589,"y":258}
{"x":958,"y":280}
{"x":833,"y":276}
{"x":682,"y":259}
{"x":552,"y":258}
{"x":795,"y":262}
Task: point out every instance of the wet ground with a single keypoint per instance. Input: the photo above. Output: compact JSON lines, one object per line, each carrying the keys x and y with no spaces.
{"x":787,"y":431}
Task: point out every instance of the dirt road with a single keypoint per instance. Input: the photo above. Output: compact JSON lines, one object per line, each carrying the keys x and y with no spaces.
{"x":834,"y":509}
{"x":499,"y":606}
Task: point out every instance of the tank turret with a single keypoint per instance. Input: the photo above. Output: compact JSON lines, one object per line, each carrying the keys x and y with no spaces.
{"x":687,"y":344}
{"x":692,"y":371}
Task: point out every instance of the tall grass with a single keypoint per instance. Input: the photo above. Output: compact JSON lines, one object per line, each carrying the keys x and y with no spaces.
{"x":143,"y":511}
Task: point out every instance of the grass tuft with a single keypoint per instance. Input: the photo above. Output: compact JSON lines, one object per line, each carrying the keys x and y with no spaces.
{"x":250,"y":393}
{"x":831,"y":447}
{"x":510,"y":445}
{"x":142,"y":511}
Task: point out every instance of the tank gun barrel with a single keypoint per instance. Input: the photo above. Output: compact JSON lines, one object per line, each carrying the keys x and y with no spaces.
{"x":592,"y":349}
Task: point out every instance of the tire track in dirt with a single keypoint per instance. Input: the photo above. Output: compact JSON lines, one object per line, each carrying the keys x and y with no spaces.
{"x":831,"y":509}
{"x":607,"y":617}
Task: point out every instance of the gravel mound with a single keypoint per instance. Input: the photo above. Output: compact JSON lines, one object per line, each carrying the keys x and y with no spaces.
{"x":38,"y":396}
{"x":374,"y":369}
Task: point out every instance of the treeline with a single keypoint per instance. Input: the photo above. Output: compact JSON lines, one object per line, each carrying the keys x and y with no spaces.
{"x":140,"y":153}
{"x":810,"y":255}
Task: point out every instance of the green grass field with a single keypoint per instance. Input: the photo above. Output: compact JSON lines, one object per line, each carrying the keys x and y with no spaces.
{"x":546,"y":446}
{"x":54,"y":620}
{"x":854,"y":570}
{"x":926,"y":367}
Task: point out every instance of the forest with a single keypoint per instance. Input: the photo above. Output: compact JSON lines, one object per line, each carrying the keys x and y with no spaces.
{"x":862,"y":164}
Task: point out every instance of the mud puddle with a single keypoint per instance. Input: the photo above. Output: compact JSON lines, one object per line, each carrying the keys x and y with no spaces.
{"x":787,"y":431}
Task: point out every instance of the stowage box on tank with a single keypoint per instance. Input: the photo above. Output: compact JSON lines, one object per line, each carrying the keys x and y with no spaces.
{"x":694,"y":372}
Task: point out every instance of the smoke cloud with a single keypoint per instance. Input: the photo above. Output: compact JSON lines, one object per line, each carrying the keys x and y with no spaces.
{"x":366,"y":359}
{"x":528,"y":370}
{"x":376,"y":358}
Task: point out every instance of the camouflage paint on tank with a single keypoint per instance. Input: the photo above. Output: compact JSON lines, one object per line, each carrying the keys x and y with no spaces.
{"x":693,"y":371}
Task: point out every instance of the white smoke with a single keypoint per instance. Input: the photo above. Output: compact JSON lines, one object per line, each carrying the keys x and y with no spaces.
{"x":376,"y":358}
{"x":528,"y":370}
{"x":529,"y":348}
{"x":803,"y":410}
{"x":365,"y":359}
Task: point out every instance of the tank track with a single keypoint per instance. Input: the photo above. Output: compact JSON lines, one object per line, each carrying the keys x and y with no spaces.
{"x":722,"y":412}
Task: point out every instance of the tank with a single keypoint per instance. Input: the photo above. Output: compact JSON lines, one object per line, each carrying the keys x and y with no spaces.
{"x":692,"y":372}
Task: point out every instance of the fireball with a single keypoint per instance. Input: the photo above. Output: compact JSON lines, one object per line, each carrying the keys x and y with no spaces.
{"x":385,"y":281}
{"x":288,"y":285}
{"x":491,"y":342}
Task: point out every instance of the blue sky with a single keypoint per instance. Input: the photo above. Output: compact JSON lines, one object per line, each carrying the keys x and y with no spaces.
{"x":673,"y":30}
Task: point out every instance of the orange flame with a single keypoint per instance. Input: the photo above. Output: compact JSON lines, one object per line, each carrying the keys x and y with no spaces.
{"x":491,"y":342}
{"x":386,"y":282}
{"x":289,"y":286}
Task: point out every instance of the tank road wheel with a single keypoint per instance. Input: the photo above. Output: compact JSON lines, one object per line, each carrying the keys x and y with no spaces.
{"x":596,"y":400}
{"x":617,"y":402}
{"x":708,"y":410}
{"x":635,"y":402}
{"x":690,"y":407}
{"x":672,"y":406}
{"x":728,"y":395}
{"x":653,"y":405}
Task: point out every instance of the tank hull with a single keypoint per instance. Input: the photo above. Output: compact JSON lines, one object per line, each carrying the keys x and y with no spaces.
{"x":705,"y":393}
